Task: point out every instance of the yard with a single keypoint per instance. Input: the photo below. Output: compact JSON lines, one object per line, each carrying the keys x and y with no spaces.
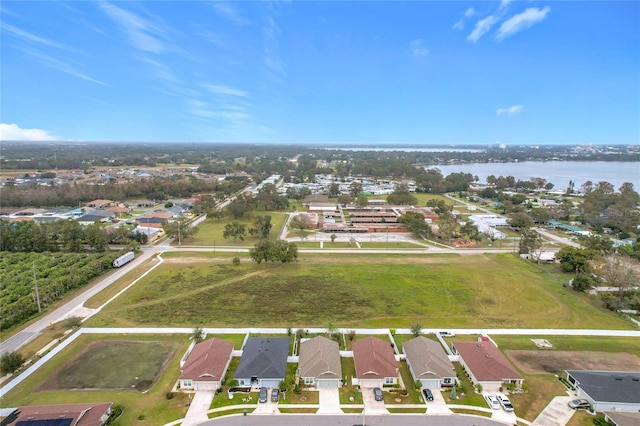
{"x":356,"y":291}
{"x":211,"y":231}
{"x":152,"y":406}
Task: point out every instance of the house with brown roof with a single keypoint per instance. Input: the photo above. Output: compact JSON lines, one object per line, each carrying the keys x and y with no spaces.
{"x":319,"y":363}
{"x":100,"y":204}
{"x":60,"y":415}
{"x":206,"y":365}
{"x":375,"y":362}
{"x":486,"y":365}
{"x":429,"y":363}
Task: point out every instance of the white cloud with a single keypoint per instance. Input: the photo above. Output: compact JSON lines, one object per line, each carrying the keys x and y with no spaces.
{"x":221,"y":89}
{"x":13,"y":132}
{"x":31,"y":38}
{"x":229,"y":12}
{"x":504,"y":4}
{"x":63,"y":66}
{"x":272,"y":59}
{"x":459,"y":25}
{"x":469,"y":12}
{"x":418,"y":49}
{"x":522,"y":21}
{"x":142,"y":34}
{"x":482,"y":27}
{"x":510,"y":111}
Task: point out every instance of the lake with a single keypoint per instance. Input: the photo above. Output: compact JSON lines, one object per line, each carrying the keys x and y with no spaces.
{"x":557,"y":172}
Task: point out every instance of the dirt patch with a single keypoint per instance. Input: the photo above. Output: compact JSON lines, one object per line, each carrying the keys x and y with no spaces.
{"x":555,"y":362}
{"x":113,"y":364}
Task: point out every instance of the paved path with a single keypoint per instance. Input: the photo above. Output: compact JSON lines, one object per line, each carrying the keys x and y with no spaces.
{"x":199,"y":407}
{"x":353,"y":419}
{"x":438,"y":406}
{"x":559,"y":240}
{"x":371,"y":406}
{"x":329,"y":401}
{"x":557,"y":413}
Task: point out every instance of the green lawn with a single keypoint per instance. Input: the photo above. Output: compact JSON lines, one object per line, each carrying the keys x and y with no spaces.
{"x":211,"y":231}
{"x":573,"y":343}
{"x":466,"y":394}
{"x":152,"y":404}
{"x":357,"y":290}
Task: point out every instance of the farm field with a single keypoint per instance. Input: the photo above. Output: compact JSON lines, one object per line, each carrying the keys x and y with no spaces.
{"x":211,"y":231}
{"x":56,"y":274}
{"x":152,"y":405}
{"x":458,"y":291}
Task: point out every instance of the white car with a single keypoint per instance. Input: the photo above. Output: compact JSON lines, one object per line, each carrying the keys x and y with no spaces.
{"x":506,"y":404}
{"x":493,"y":402}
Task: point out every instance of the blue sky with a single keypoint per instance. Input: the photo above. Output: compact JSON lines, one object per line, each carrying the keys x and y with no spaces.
{"x":518,"y":72}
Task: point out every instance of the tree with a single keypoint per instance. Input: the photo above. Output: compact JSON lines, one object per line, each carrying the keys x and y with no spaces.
{"x":179,"y":228}
{"x":574,"y":259}
{"x":581,"y":282}
{"x":236,"y":230}
{"x":301,"y":222}
{"x":362,"y":201}
{"x":416,"y":329}
{"x":10,"y":362}
{"x":197,"y":334}
{"x":402,"y":196}
{"x":273,"y":251}
{"x":470,"y":230}
{"x":530,"y":242}
{"x":414,"y":223}
{"x":446,"y":230}
{"x":96,"y":238}
{"x":355,"y":189}
{"x":241,"y":206}
{"x":334,"y":190}
{"x":344,"y":199}
{"x":262,"y":226}
{"x":520,"y":220}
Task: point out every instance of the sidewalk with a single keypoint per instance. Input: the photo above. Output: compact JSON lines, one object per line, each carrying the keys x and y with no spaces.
{"x":198,"y":408}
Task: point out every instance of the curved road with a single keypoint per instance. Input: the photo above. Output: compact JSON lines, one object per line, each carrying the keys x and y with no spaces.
{"x":352,"y":420}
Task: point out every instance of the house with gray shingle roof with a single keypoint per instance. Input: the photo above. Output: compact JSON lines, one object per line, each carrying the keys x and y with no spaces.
{"x":429,"y":363}
{"x":319,"y":363}
{"x":608,"y":390}
{"x":263,"y":362}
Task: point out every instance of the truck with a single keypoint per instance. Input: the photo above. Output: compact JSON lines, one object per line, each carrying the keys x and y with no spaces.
{"x":125,"y":258}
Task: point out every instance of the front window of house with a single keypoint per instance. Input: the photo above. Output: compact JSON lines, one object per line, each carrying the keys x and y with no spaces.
{"x":187,"y":383}
{"x":389,"y":380}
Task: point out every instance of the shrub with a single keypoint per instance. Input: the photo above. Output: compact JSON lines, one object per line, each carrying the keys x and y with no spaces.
{"x":116,"y":410}
{"x":73,"y":322}
{"x":170,"y":395}
{"x":141,"y":417}
{"x":236,"y":261}
{"x":478,"y":388}
{"x":10,"y":362}
{"x":417,"y":384}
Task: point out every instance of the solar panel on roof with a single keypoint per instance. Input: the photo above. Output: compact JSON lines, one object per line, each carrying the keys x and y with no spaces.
{"x":46,"y":422}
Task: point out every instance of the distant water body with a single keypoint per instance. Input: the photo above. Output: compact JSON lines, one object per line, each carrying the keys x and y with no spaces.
{"x":559,"y":173}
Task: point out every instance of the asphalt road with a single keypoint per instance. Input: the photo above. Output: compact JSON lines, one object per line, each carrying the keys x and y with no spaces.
{"x":352,"y":420}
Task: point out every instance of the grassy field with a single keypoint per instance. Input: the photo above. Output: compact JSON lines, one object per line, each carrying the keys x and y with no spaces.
{"x":489,"y":290}
{"x":152,"y":404}
{"x":211,"y":231}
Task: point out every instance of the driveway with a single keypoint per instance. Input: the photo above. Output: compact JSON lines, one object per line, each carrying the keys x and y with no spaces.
{"x":438,"y":405}
{"x":557,"y":413}
{"x":371,"y":406}
{"x":198,"y":408}
{"x":267,"y":407}
{"x":329,"y":401}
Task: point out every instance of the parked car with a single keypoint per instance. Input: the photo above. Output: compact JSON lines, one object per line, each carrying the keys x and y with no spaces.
{"x":263,"y":395}
{"x":377,"y":393}
{"x":506,"y":404}
{"x":447,"y":333}
{"x":579,"y":404}
{"x":493,"y":402}
{"x":428,"y":396}
{"x":275,"y":395}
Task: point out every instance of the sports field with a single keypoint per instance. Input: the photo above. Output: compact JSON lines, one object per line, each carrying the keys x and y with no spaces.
{"x":486,"y":291}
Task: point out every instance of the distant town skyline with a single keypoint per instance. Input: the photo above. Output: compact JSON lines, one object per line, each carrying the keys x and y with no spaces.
{"x":380,"y":72}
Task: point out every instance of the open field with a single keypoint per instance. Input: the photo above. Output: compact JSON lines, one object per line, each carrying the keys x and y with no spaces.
{"x":555,"y":362}
{"x":114,"y":365}
{"x":211,"y":231}
{"x":500,"y":290}
{"x":153,"y":405}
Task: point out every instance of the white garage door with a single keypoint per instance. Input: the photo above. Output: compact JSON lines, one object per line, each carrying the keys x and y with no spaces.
{"x":325,"y":384}
{"x":206,"y":385}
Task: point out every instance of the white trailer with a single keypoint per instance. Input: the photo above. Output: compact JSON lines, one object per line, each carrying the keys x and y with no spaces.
{"x":125,"y":258}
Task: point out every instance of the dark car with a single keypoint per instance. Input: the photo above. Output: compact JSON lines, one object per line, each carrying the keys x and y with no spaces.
{"x":263,"y":395}
{"x":377,"y":393}
{"x":428,"y":396}
{"x":275,"y":394}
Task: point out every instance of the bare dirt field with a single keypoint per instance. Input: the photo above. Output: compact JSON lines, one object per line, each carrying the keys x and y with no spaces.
{"x":555,"y":362}
{"x":113,"y":365}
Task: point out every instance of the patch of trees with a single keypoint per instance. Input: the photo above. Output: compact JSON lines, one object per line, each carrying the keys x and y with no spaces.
{"x":602,"y":207}
{"x":55,"y":275}
{"x":415,"y":224}
{"x":432,"y":181}
{"x":402,"y":196}
{"x":62,"y":235}
{"x":274,"y":251}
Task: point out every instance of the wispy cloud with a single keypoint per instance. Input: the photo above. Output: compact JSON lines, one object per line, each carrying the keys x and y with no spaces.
{"x":230,"y":12}
{"x":459,"y":25}
{"x":469,"y":12}
{"x":504,"y":3}
{"x":220,"y":89}
{"x":418,"y":48}
{"x":481,"y":28}
{"x":510,"y":111}
{"x":272,"y":59}
{"x":522,"y":21}
{"x":31,"y":38}
{"x":63,"y":66}
{"x":141,"y":33}
{"x":13,"y":132}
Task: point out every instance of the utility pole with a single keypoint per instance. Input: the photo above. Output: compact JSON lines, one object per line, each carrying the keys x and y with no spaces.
{"x":35,"y":282}
{"x":179,"y":239}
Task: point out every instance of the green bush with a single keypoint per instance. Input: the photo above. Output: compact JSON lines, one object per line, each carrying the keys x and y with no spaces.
{"x":10,"y":362}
